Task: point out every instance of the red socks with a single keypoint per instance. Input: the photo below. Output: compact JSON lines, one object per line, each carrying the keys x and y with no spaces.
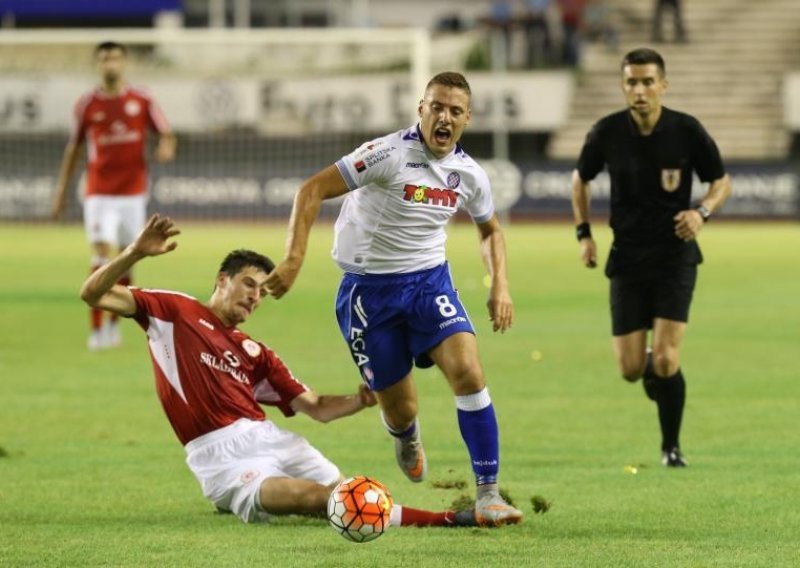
{"x":420,"y":518}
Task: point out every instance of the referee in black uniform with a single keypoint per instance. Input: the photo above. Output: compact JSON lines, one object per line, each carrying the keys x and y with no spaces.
{"x":651,"y":153}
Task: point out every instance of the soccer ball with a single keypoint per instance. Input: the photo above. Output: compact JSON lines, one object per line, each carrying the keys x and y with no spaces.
{"x":359,"y":508}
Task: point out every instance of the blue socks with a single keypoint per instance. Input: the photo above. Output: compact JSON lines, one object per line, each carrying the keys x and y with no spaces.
{"x":478,"y":425}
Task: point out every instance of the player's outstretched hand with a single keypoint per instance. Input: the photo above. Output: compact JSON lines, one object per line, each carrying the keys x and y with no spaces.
{"x":281,"y":278}
{"x":153,"y":240}
{"x":501,"y":310}
{"x":588,"y":252}
{"x":688,"y":224}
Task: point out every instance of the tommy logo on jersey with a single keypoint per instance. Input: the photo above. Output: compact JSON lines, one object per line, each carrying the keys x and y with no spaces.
{"x":430,"y":195}
{"x":670,"y":180}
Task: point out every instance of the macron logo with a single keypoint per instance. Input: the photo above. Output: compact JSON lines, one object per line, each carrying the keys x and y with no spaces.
{"x":206,"y":324}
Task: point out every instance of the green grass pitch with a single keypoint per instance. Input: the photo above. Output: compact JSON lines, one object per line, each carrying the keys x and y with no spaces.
{"x":92,"y":475}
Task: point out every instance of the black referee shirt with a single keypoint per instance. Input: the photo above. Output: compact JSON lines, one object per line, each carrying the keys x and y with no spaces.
{"x":651,"y":181}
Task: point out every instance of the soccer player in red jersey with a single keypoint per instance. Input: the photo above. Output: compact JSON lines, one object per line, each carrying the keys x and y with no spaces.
{"x":211,"y":377}
{"x":113,"y":120}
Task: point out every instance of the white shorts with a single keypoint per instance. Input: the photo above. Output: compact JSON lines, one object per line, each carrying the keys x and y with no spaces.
{"x":113,"y":219}
{"x":232,"y":462}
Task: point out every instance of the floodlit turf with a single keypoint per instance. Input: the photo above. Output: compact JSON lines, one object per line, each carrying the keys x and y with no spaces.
{"x":92,"y":475}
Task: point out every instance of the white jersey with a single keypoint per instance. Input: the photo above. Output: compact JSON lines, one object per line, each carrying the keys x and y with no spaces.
{"x":401,"y":197}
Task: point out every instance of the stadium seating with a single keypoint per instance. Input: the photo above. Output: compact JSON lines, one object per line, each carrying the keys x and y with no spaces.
{"x":729,"y":74}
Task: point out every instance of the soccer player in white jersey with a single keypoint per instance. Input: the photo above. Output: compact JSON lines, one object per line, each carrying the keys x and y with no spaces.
{"x":397,"y":305}
{"x":211,"y":377}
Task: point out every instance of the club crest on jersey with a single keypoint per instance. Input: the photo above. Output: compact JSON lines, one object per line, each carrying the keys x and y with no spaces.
{"x":253,"y":349}
{"x":670,"y":180}
{"x":132,"y":108}
{"x":453,"y":180}
{"x":430,"y":195}
{"x":360,"y":166}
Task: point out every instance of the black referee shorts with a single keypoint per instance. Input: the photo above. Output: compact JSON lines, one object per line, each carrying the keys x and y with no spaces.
{"x":636,"y":300}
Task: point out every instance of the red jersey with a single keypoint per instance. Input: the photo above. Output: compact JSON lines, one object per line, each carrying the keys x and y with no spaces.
{"x":115,"y":129}
{"x":208,"y":375}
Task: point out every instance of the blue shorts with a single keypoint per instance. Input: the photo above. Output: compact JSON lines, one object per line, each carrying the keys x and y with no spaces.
{"x":391,"y":321}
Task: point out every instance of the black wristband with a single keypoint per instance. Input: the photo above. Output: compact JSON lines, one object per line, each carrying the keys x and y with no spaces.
{"x":583,"y":231}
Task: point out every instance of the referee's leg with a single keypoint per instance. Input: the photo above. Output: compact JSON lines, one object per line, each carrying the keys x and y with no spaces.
{"x":667,"y":340}
{"x":630,"y":352}
{"x":670,"y":386}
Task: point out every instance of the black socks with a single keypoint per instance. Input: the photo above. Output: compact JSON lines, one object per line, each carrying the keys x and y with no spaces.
{"x":670,"y":396}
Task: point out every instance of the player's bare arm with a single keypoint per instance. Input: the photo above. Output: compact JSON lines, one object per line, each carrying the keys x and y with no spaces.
{"x":493,"y":252}
{"x":100,"y":289}
{"x":69,"y":163}
{"x":688,"y":223}
{"x":581,"y":199}
{"x":325,"y":408}
{"x":167,"y":145}
{"x":326,"y":184}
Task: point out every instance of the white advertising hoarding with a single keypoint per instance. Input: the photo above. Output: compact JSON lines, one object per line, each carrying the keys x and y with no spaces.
{"x":513,"y":102}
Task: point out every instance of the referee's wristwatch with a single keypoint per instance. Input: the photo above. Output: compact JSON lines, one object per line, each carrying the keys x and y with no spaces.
{"x":704,"y":211}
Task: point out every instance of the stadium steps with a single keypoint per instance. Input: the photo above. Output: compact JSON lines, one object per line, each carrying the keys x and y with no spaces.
{"x":729,"y":75}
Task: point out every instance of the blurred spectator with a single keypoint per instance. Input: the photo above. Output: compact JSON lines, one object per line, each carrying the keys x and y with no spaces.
{"x":597,"y":24}
{"x":679,"y":31}
{"x":571,"y":21}
{"x":538,"y":34}
{"x":501,"y":21}
{"x":501,"y":12}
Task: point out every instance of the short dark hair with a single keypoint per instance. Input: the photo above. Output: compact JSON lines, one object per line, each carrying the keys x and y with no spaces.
{"x":239,"y":259}
{"x":450,"y":79}
{"x":109,"y":45}
{"x":645,"y":56}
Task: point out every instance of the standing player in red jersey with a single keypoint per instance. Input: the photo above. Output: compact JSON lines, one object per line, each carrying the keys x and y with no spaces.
{"x":211,"y":377}
{"x":113,"y":120}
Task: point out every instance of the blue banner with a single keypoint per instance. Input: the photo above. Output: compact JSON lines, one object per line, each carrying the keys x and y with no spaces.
{"x":85,"y":8}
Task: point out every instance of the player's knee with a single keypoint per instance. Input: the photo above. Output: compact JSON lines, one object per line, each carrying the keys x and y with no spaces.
{"x":466,"y":379}
{"x":631,"y":374}
{"x":317,"y":500}
{"x":293,"y":498}
{"x":102,"y":249}
{"x":632,"y":368}
{"x":400,"y":414}
{"x":665,"y":362}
